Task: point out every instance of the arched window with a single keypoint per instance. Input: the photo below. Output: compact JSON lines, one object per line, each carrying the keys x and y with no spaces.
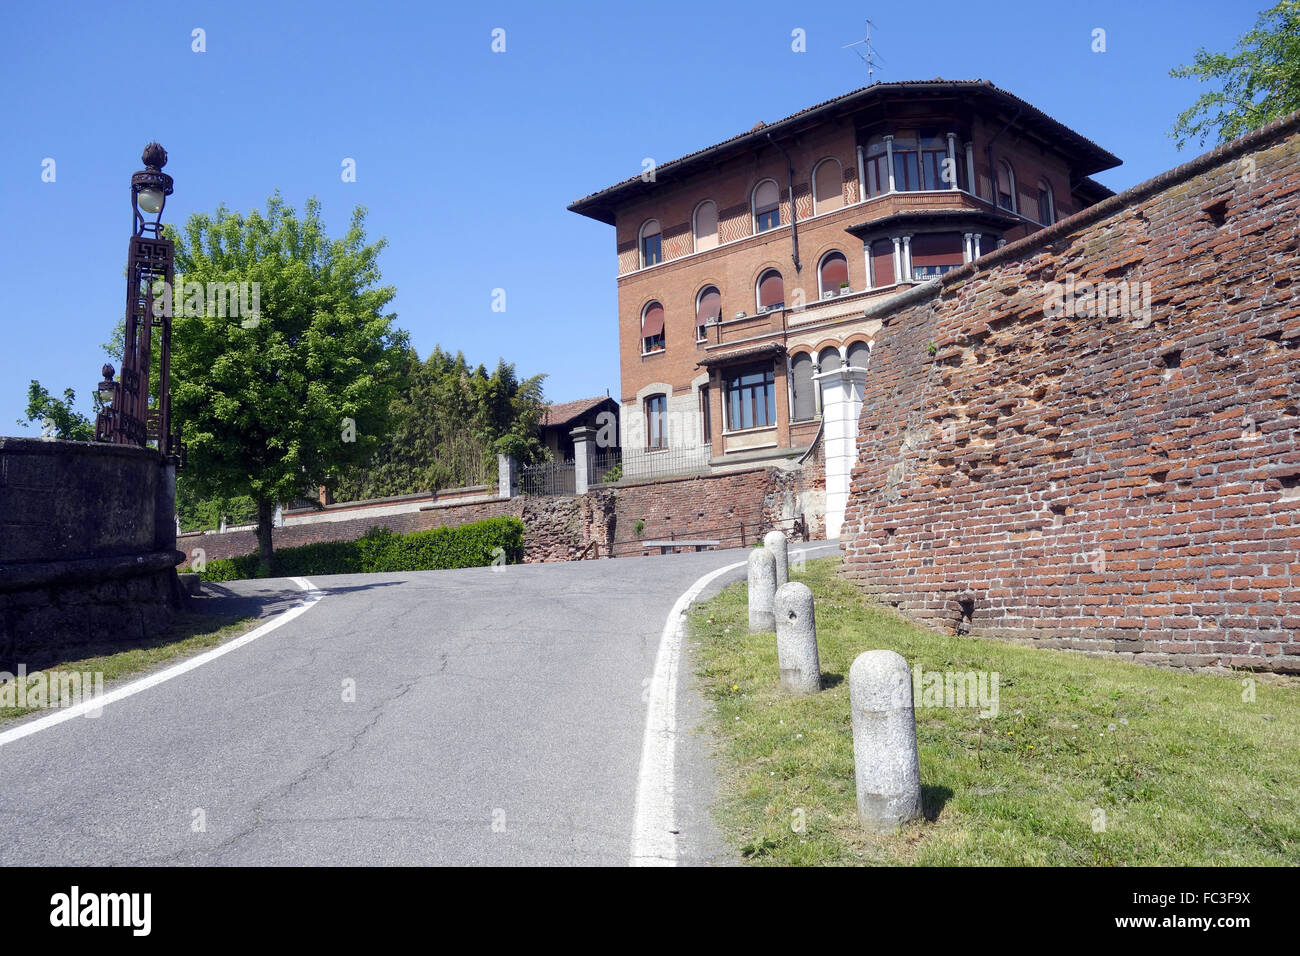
{"x":767,"y":206}
{"x":656,"y":421}
{"x":652,"y":250}
{"x":859,"y":355}
{"x":828,"y":361}
{"x":1006,"y":186}
{"x":801,"y":378}
{"x":771,"y":291}
{"x":705,"y":225}
{"x":652,"y":328}
{"x":828,"y":186}
{"x":833,"y":274}
{"x":1046,"y":203}
{"x":708,"y":310}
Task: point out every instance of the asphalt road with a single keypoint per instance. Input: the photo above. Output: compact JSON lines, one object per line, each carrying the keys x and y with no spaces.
{"x":497,"y":718}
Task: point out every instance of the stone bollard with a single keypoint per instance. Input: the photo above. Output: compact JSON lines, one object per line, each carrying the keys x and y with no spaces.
{"x":884,"y":741}
{"x":775,"y":542}
{"x":796,"y":639}
{"x":762,"y":590}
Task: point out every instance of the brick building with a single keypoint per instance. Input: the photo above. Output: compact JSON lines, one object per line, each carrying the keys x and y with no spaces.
{"x":747,"y":267}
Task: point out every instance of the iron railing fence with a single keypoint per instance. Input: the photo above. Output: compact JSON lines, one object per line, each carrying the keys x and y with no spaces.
{"x":670,"y":462}
{"x":548,"y":478}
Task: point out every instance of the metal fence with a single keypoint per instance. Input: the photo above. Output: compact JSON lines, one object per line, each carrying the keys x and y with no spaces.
{"x":665,"y":462}
{"x":548,"y":478}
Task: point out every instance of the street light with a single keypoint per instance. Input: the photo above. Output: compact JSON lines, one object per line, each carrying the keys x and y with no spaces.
{"x":150,"y":188}
{"x":126,"y":418}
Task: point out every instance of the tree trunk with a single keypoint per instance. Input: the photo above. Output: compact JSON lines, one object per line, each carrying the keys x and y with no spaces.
{"x":265,"y":516}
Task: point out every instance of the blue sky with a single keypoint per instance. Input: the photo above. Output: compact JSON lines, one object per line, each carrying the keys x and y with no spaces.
{"x":466,"y":158}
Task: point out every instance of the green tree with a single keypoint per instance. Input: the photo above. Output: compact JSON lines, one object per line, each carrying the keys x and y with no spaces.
{"x":57,"y":417}
{"x":276,"y":404}
{"x":448,"y":427}
{"x":1260,"y":81}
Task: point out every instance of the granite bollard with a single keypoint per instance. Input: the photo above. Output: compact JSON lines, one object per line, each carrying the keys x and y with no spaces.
{"x":796,"y":639}
{"x":886,"y":768}
{"x":775,"y":542}
{"x":762,"y":590}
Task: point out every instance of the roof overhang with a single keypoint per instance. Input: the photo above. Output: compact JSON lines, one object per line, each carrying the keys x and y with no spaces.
{"x":1087,"y":157}
{"x":936,"y":220}
{"x":771,"y":350}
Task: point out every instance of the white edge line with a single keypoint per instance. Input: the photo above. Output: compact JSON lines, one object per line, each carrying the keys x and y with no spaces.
{"x":95,"y":705}
{"x":653,"y":842}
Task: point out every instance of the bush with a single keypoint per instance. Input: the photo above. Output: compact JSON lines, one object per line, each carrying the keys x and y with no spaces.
{"x":380,"y":549}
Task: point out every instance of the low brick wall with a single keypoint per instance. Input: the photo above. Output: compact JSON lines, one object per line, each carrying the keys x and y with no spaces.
{"x":563,"y":527}
{"x":1108,"y":479}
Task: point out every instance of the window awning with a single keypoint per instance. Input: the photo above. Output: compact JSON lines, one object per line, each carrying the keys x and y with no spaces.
{"x":653,"y":323}
{"x":710,"y":307}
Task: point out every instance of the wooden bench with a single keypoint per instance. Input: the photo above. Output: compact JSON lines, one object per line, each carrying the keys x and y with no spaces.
{"x":669,"y":547}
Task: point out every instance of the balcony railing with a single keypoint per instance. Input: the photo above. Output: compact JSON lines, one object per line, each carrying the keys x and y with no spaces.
{"x":924,"y":273}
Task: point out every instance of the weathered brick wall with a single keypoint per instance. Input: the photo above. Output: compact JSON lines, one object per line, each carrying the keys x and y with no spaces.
{"x":1126,"y":481}
{"x":561,"y":527}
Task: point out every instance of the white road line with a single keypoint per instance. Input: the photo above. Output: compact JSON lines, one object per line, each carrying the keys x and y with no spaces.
{"x":93,"y":705}
{"x":653,"y":840}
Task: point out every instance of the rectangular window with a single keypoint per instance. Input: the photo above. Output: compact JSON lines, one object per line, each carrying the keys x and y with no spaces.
{"x":706,"y":423}
{"x":652,"y":249}
{"x":769,"y":219}
{"x":878,"y":175}
{"x":653,"y":343}
{"x":932,"y":161}
{"x":907,"y":174}
{"x":751,"y":399}
{"x":656,"y":421}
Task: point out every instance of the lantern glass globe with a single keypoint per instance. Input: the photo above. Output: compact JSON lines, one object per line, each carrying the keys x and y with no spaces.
{"x":150,"y":199}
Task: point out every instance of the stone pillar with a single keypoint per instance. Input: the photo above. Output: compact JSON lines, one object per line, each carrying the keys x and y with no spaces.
{"x":762,"y":590}
{"x":584,"y":458}
{"x":796,"y":639}
{"x":907,"y":259}
{"x":970,"y":169}
{"x":507,"y":477}
{"x":966,"y":247}
{"x":842,"y":391}
{"x":898,"y":262}
{"x":775,"y":542}
{"x":889,"y":159}
{"x":952,"y":159}
{"x":886,"y":768}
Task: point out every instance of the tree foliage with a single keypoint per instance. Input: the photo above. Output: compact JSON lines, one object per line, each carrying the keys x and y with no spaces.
{"x":274,"y":405}
{"x":1260,"y":81}
{"x":448,"y":427}
{"x":58,"y":418}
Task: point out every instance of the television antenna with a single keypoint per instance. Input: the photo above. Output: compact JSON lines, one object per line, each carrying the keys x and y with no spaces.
{"x":868,"y":54}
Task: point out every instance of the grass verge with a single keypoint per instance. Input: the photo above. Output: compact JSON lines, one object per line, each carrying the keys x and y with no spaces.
{"x":190,"y":632}
{"x":1089,"y":762}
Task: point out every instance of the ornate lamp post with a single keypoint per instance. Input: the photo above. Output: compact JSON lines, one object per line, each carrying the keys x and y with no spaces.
{"x":127,"y":418}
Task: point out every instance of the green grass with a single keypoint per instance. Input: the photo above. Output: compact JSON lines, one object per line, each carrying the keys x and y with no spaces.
{"x":1185,"y":771}
{"x":189,"y":633}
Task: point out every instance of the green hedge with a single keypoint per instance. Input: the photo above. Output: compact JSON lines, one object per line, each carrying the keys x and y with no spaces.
{"x":464,"y":546}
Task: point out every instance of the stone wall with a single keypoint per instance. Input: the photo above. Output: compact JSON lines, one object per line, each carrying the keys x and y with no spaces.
{"x":1120,"y":477}
{"x":87,"y":550}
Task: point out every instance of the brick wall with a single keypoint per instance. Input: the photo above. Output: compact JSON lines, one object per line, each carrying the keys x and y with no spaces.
{"x":561,"y":527}
{"x":1126,"y":481}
